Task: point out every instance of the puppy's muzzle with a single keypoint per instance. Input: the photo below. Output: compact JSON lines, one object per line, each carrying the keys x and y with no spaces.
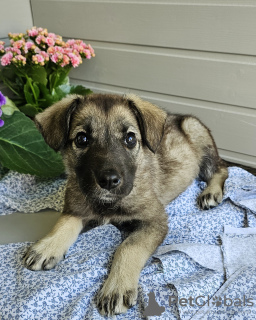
{"x":109,"y":179}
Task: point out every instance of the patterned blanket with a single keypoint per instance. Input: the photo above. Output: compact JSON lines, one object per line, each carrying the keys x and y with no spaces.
{"x":205,"y":268}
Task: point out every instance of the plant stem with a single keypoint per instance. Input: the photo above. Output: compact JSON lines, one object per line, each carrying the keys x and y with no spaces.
{"x":32,"y":89}
{"x":55,"y":80}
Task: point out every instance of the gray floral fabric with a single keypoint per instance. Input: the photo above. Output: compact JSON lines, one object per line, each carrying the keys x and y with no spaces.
{"x":236,"y":299}
{"x":26,"y":193}
{"x":186,"y":285}
{"x":238,"y":246}
{"x":207,"y":255}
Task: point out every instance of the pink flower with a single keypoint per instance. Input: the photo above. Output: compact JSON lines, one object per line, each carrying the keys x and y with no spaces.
{"x":51,"y":50}
{"x":78,"y":48}
{"x":70,"y":42}
{"x":66,"y":60}
{"x":42,"y":31}
{"x":45,"y":55}
{"x":45,"y":46}
{"x":18,"y":44}
{"x":36,"y":50}
{"x":79,"y":42}
{"x":59,"y":49}
{"x":55,"y":58}
{"x":6,"y":59}
{"x":59,"y":42}
{"x":91,"y":50}
{"x":40,"y":39}
{"x":87,"y":54}
{"x":19,"y":59}
{"x":13,"y":50}
{"x":75,"y":60}
{"x":33,"y":32}
{"x":38,"y":59}
{"x":52,"y":35}
{"x":50,"y":41}
{"x":67,"y":50}
{"x":1,"y":47}
{"x":28,"y":46}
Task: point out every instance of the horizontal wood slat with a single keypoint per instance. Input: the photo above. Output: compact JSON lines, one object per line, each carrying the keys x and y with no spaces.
{"x":206,"y":26}
{"x":194,"y":76}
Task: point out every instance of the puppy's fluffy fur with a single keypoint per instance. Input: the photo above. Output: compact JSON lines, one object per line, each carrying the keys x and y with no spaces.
{"x":126,"y":159}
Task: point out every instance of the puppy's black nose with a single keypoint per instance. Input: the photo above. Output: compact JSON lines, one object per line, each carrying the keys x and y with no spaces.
{"x":109,"y":179}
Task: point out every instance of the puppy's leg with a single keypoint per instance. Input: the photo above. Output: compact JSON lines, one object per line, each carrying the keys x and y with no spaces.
{"x":214,"y":172}
{"x":47,"y":252}
{"x":212,"y":168}
{"x":119,"y":291}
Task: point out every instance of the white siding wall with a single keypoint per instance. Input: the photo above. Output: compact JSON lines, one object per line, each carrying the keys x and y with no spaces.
{"x":187,"y":56}
{"x":15,"y":17}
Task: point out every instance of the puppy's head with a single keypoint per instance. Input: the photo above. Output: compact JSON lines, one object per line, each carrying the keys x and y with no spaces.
{"x":102,"y":139}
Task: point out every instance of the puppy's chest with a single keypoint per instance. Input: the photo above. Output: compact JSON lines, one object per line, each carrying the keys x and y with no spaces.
{"x":123,"y":222}
{"x":112,"y":212}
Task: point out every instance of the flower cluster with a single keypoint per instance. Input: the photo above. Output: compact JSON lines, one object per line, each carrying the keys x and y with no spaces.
{"x":2,"y":102}
{"x":40,"y":47}
{"x":36,"y":65}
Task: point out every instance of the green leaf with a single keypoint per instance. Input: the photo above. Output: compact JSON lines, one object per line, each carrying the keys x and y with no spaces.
{"x":20,"y":72}
{"x":37,"y":74}
{"x":64,"y":88}
{"x":47,"y":98}
{"x":66,"y":81}
{"x":80,"y":90}
{"x":58,"y":93}
{"x":63,"y":76}
{"x":9,"y":108}
{"x":10,"y":72}
{"x":30,"y":110}
{"x":43,"y":89}
{"x":23,"y":149}
{"x":59,"y":77}
{"x":62,"y":91}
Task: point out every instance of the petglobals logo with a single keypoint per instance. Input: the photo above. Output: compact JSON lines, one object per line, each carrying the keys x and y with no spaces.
{"x":154,"y":309}
{"x":216,"y":301}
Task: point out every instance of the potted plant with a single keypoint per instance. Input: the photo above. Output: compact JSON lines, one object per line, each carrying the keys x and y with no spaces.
{"x":35,"y":68}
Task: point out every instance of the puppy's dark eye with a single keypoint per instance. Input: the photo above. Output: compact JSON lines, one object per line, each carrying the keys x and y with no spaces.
{"x":81,"y":140}
{"x":130,"y":140}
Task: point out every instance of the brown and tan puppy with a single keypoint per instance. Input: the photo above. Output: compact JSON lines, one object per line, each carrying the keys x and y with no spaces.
{"x":126,"y":159}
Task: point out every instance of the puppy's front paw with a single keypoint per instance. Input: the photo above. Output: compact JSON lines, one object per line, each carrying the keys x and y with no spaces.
{"x":43,"y":255}
{"x":210,"y":198}
{"x":115,"y":298}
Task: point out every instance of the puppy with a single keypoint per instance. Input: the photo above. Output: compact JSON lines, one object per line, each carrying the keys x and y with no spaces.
{"x":126,"y":159}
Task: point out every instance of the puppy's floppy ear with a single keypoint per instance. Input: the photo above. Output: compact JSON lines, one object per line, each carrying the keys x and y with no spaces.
{"x":151,"y":120}
{"x":54,"y":122}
